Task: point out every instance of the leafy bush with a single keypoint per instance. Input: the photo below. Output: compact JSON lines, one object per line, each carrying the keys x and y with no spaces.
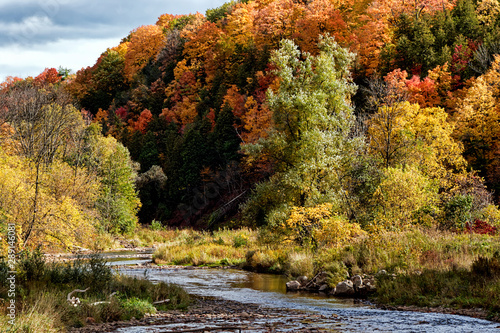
{"x":480,"y":227}
{"x":457,"y":211}
{"x":403,"y":194}
{"x":136,"y":308}
{"x":156,"y":226}
{"x":240,"y":240}
{"x":487,"y":267}
{"x":337,"y":272}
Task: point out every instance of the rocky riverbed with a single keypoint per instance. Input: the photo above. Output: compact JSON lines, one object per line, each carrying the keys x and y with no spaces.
{"x":218,"y":315}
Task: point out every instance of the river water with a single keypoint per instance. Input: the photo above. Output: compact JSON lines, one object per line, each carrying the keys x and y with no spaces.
{"x":269,"y":291}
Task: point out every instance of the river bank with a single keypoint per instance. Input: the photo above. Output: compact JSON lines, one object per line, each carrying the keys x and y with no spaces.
{"x":210,"y":313}
{"x":140,"y":253}
{"x":430,"y":271}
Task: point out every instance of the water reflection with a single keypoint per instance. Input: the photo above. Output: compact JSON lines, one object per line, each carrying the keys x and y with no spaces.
{"x":263,"y":282}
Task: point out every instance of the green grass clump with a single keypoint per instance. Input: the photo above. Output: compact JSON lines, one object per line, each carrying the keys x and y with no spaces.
{"x":136,"y":308}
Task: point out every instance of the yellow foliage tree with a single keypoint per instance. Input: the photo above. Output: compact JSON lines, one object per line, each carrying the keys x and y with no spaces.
{"x":406,"y":134}
{"x":240,"y":23}
{"x":317,"y":226}
{"x":64,"y":204}
{"x":478,"y":122}
{"x":402,"y":196}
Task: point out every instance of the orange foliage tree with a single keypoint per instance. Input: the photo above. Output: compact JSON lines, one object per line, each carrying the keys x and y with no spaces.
{"x":276,"y":21}
{"x":424,"y":92}
{"x":142,"y":122}
{"x":145,"y":43}
{"x":182,"y":93}
{"x":49,"y":75}
{"x":320,"y":17}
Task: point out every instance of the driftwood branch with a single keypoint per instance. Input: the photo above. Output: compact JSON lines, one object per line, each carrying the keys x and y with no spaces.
{"x":105,"y":302}
{"x":75,"y":300}
{"x":162,"y":301}
{"x":76,"y":291}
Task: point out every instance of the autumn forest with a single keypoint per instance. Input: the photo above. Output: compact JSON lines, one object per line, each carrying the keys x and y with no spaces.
{"x":385,"y":111}
{"x":358,"y":135}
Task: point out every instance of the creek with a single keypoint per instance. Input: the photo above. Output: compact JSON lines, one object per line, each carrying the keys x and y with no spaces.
{"x":332,"y":314}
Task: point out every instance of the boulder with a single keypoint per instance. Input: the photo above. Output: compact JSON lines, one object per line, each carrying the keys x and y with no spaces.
{"x":321,"y":278}
{"x":323,"y":288}
{"x":344,"y":288}
{"x":302,"y":280}
{"x":357,"y":281}
{"x":293,"y":285}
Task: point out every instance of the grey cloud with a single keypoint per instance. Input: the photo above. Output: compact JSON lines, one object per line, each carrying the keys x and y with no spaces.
{"x":38,"y":22}
{"x":29,"y":29}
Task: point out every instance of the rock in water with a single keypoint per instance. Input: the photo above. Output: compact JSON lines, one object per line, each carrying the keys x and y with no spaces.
{"x":357,"y":281}
{"x":302,"y":280}
{"x":344,"y":288}
{"x":292,"y":285}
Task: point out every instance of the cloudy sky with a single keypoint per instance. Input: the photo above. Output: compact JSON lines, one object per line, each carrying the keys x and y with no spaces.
{"x":36,"y":34}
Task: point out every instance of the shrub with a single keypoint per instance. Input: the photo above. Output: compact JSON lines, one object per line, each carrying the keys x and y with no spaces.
{"x":156,"y":226}
{"x":337,"y":272}
{"x":480,"y":227}
{"x":136,"y":308}
{"x":457,"y":212}
{"x":487,"y":267}
{"x":31,"y":265}
{"x":240,"y":240}
{"x":402,"y":197}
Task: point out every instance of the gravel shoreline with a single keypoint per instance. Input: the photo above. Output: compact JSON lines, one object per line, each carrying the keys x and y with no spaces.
{"x":218,"y":315}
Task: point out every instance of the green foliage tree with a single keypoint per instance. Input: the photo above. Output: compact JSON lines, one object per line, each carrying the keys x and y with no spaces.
{"x":216,"y":14}
{"x":311,"y":144}
{"x":118,"y":202}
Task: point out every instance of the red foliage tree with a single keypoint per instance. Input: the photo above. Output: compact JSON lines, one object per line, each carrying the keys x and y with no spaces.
{"x":142,"y":122}
{"x":48,"y":76}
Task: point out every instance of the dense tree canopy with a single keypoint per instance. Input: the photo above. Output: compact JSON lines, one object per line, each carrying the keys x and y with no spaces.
{"x":250,"y":106}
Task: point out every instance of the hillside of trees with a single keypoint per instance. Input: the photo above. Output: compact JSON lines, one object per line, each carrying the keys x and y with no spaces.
{"x":301,"y":116}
